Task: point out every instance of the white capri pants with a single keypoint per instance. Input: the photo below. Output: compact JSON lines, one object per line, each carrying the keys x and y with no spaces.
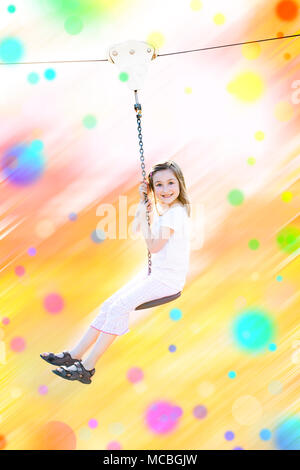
{"x":113,"y":317}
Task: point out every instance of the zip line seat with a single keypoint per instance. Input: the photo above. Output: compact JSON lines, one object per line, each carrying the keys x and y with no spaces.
{"x":162,"y":300}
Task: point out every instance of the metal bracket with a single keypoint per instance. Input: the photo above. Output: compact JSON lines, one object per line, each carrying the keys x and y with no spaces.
{"x":133,"y":58}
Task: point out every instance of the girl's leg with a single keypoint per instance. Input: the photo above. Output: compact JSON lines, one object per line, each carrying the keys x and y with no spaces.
{"x":84,"y":343}
{"x":91,"y":334}
{"x":116,"y":317}
{"x":102,"y":343}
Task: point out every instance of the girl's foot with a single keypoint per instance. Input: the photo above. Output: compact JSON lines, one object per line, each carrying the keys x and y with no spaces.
{"x":60,"y":359}
{"x":75,"y":372}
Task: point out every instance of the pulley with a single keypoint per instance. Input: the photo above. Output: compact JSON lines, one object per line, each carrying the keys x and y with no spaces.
{"x":132,"y":58}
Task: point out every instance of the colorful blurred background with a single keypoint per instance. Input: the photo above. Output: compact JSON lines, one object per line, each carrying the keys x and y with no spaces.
{"x":219,"y":368}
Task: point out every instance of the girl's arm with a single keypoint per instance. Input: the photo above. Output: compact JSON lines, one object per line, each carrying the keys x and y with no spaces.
{"x":153,"y":244}
{"x":136,"y":224}
{"x":143,"y":189}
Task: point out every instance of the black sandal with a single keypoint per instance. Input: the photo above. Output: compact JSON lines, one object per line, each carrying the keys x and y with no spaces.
{"x":81,"y":373}
{"x":67,"y":360}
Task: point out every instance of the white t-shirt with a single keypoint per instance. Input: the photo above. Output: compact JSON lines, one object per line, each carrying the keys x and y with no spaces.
{"x":170,"y":265}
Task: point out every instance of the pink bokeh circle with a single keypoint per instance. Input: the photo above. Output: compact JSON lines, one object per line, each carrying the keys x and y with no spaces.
{"x":18,"y":344}
{"x":113,"y":445}
{"x":43,"y":389}
{"x":162,"y":417}
{"x":93,"y":423}
{"x":53,"y":303}
{"x":135,"y":374}
{"x":20,"y":270}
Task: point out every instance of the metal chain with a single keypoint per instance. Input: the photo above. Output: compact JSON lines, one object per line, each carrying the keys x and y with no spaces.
{"x":138,"y":109}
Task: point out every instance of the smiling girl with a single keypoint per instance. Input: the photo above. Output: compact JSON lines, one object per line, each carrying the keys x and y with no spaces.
{"x":168,"y":240}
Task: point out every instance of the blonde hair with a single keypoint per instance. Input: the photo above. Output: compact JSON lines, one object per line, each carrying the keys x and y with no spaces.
{"x":171,"y":165}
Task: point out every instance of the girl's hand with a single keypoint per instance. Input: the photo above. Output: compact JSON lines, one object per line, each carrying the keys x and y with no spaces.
{"x":146,"y":207}
{"x":144,"y":189}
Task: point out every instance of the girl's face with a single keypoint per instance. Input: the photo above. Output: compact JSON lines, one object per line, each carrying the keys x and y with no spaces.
{"x":166,"y":187}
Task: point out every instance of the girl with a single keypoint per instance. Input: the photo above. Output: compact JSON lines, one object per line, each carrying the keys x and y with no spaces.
{"x":168,"y":240}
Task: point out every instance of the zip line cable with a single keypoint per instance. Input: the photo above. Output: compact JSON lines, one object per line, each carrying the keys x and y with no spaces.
{"x":158,"y":55}
{"x":229,"y":45}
